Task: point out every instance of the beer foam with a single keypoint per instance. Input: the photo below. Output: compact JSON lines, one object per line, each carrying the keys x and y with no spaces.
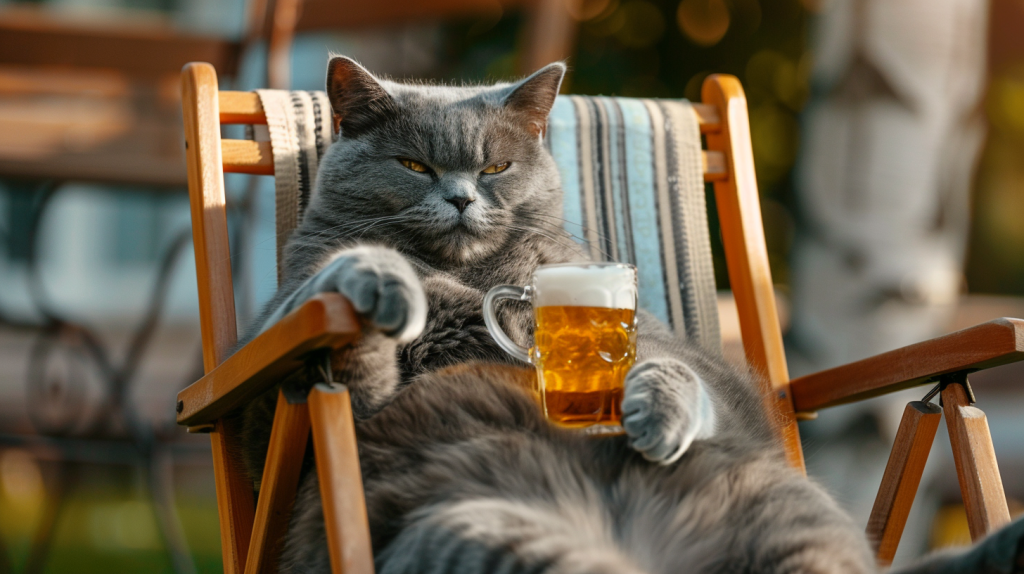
{"x":596,"y":285}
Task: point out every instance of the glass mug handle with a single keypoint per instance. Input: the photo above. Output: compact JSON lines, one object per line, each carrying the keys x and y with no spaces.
{"x":491,"y":318}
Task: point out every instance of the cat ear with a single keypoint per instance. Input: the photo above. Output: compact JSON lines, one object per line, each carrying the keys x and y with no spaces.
{"x":533,"y":97}
{"x":357,"y":98}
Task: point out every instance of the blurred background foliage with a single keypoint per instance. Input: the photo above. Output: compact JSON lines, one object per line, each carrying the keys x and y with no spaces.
{"x":665,"y":49}
{"x":994,"y":262}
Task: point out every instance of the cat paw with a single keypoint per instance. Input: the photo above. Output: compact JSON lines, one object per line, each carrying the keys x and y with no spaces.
{"x":664,"y":408}
{"x":382,"y":287}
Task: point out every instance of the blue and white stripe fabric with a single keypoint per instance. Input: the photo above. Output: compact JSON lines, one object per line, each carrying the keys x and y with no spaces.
{"x":633,"y":184}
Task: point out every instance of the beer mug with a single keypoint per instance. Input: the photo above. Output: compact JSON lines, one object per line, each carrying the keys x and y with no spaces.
{"x":584,"y":338}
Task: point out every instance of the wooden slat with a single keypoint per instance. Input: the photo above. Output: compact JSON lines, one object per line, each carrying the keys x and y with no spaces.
{"x":241,"y":108}
{"x":341,"y":484}
{"x":746,"y":255}
{"x":715,"y":168}
{"x":991,"y":344}
{"x":245,"y":108}
{"x":234,"y":497}
{"x":139,"y":47}
{"x":708,"y":117}
{"x":244,"y":156}
{"x":976,"y":468}
{"x":216,"y":298}
{"x":89,"y":125}
{"x":326,"y":320}
{"x":901,"y":478}
{"x":34,"y":81}
{"x":209,"y":212}
{"x":288,"y":437}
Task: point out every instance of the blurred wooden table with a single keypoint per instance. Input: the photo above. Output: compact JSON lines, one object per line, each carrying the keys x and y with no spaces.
{"x":90,"y":99}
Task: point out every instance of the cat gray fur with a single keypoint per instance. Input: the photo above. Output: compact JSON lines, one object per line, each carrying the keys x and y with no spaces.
{"x":461,"y":471}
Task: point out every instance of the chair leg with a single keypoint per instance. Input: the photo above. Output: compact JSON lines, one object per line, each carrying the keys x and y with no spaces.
{"x":288,"y":438}
{"x":341,"y":483}
{"x":234,"y":497}
{"x":980,"y":483}
{"x":902,"y":477}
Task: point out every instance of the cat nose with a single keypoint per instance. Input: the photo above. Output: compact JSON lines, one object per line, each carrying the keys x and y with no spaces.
{"x":460,"y":203}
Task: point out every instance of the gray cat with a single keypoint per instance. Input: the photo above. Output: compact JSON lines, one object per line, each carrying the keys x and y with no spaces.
{"x":432,"y":196}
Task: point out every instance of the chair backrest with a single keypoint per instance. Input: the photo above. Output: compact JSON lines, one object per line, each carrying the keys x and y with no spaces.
{"x":634,"y":191}
{"x":633,"y":178}
{"x":727,"y":162}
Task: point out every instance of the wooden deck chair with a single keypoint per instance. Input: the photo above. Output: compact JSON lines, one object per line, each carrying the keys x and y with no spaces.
{"x":598,"y":132}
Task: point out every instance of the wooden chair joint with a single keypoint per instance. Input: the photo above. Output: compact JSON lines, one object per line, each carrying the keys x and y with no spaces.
{"x":296,"y":388}
{"x":957,"y":378}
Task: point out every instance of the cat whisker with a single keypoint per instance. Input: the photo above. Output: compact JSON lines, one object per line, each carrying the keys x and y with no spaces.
{"x":562,"y":221}
{"x":565,"y":241}
{"x":355,"y":224}
{"x":579,"y":239}
{"x":360,"y":228}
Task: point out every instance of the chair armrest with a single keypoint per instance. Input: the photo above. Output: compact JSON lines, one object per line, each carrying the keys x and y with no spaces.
{"x":326,"y":320}
{"x":983,"y":346}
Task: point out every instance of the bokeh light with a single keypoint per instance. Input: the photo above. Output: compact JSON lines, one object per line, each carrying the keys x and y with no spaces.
{"x":20,"y":478}
{"x":608,"y":23}
{"x":775,"y":136}
{"x":642,"y":24}
{"x":123,"y":524}
{"x":704,"y":22}
{"x":585,"y":10}
{"x":1006,"y":103}
{"x":771,"y":75}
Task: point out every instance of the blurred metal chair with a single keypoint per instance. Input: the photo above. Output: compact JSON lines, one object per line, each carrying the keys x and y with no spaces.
{"x":251,"y":533}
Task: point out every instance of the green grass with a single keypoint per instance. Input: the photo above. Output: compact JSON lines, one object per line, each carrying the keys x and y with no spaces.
{"x":103,"y":528}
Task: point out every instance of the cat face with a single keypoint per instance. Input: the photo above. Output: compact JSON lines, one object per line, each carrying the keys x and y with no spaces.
{"x":444,"y":172}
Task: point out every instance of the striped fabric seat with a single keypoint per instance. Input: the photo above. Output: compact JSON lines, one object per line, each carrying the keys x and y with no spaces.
{"x":299,"y":130}
{"x":633,"y":180}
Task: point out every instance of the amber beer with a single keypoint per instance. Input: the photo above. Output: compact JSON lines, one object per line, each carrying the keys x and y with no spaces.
{"x":584,"y":338}
{"x":583,"y":355}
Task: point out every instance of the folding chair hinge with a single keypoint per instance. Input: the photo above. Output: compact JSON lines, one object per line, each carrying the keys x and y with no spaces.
{"x":957,"y":378}
{"x":318,"y":370}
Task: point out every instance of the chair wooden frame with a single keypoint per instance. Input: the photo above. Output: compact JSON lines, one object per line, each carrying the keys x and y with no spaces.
{"x":250,"y":532}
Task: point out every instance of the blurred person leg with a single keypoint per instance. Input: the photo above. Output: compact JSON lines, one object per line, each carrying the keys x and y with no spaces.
{"x":891,"y":138}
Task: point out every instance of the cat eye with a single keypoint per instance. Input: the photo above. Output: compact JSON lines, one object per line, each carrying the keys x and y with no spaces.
{"x":496,"y":168}
{"x":414,"y":165}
